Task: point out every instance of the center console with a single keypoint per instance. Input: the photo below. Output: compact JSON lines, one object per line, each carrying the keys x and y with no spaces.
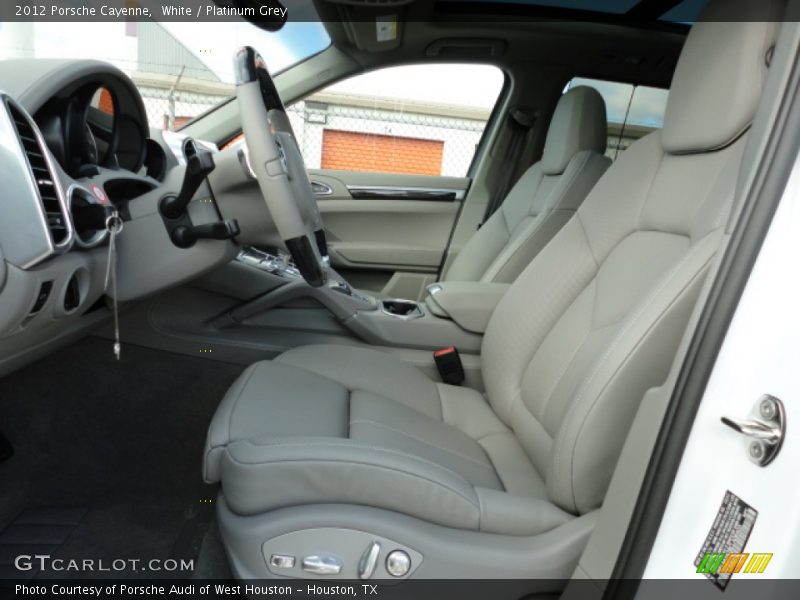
{"x":453,"y":314}
{"x":402,"y":309}
{"x":278,"y":264}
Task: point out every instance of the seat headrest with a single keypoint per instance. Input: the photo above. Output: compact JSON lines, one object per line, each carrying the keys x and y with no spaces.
{"x":720,"y":75}
{"x":579,"y":123}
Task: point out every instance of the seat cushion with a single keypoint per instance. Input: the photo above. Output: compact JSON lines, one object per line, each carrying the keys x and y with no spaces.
{"x":370,"y":371}
{"x":309,"y":428}
{"x":269,"y":400}
{"x":381,"y":422}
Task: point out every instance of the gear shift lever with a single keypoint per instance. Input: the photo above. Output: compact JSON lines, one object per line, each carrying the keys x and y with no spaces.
{"x":341,"y":286}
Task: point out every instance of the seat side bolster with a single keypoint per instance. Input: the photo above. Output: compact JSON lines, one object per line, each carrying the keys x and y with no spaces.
{"x":262,"y":475}
{"x":219,"y":430}
{"x":571,"y":188}
{"x":591,"y":436}
{"x":512,"y":514}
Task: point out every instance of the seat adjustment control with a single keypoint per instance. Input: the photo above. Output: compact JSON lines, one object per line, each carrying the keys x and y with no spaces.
{"x":369,"y":560}
{"x":398,"y":563}
{"x":281,"y":561}
{"x":322,"y":564}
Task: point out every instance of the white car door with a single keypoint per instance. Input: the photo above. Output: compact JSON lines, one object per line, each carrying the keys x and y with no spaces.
{"x":733,"y":513}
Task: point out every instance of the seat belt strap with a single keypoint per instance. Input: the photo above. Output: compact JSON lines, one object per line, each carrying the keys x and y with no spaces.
{"x":520,"y":123}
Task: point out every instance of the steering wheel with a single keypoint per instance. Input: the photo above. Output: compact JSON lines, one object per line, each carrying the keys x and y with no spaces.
{"x":279,"y":168}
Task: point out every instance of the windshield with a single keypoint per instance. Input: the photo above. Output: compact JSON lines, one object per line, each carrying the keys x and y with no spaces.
{"x":181,"y":69}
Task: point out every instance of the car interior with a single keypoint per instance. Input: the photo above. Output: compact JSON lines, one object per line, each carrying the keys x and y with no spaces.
{"x":213,"y":349}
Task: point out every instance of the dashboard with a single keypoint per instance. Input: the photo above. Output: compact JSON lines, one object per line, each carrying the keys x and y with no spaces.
{"x":75,"y":148}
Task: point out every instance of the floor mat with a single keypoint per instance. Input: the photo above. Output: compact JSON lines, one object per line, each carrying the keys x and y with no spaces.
{"x":35,"y":532}
{"x":120,"y":441}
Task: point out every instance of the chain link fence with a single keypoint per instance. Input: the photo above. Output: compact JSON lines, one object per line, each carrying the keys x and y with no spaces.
{"x":172,"y":108}
{"x":339,"y":132}
{"x":346,"y":132}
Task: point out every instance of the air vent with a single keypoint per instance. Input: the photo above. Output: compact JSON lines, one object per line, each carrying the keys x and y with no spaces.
{"x":42,"y":176}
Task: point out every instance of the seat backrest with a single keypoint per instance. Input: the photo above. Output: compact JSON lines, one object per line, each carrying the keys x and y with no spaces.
{"x":545,"y":197}
{"x":595,"y":320}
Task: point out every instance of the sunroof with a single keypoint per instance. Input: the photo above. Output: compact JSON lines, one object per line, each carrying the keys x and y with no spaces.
{"x":605,"y":6}
{"x":674,"y":11}
{"x":684,"y":12}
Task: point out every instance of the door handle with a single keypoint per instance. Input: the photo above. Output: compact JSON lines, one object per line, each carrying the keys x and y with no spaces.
{"x":321,"y":189}
{"x":765,"y":428}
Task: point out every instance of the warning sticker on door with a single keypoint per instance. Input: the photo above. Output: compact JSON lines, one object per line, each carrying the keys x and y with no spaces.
{"x":721,"y":555}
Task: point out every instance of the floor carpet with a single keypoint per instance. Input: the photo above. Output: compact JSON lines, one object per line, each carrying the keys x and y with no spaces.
{"x":106,"y":455}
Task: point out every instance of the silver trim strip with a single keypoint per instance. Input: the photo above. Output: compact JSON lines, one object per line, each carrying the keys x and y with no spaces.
{"x":24,"y":228}
{"x":400,"y":189}
{"x":62,"y":198}
{"x":100,"y":236}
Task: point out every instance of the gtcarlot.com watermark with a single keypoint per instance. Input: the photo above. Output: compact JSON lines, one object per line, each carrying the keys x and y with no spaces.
{"x":46,"y":563}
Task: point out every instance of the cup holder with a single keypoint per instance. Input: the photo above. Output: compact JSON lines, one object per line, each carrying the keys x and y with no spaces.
{"x":402,"y":309}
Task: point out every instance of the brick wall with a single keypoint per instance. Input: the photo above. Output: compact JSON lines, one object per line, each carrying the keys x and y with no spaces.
{"x":355,"y":151}
{"x":106,"y":102}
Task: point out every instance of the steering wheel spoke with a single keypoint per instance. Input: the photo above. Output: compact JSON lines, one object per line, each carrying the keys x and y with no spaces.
{"x":279,"y":167}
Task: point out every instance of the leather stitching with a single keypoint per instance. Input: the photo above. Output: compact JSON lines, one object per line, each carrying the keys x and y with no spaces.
{"x":361,"y":463}
{"x":357,"y":445}
{"x":423,"y":441}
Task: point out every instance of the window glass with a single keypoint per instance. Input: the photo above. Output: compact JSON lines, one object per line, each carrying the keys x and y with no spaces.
{"x":181,"y":69}
{"x":632,"y":111}
{"x":685,"y":12}
{"x":415,"y":119}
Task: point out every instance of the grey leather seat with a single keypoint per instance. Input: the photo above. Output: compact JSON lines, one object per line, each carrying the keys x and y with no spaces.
{"x":545,"y":197}
{"x":329,"y":447}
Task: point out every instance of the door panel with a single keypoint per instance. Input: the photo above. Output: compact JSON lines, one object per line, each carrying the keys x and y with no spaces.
{"x":387,"y":230}
{"x":389,"y":151}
